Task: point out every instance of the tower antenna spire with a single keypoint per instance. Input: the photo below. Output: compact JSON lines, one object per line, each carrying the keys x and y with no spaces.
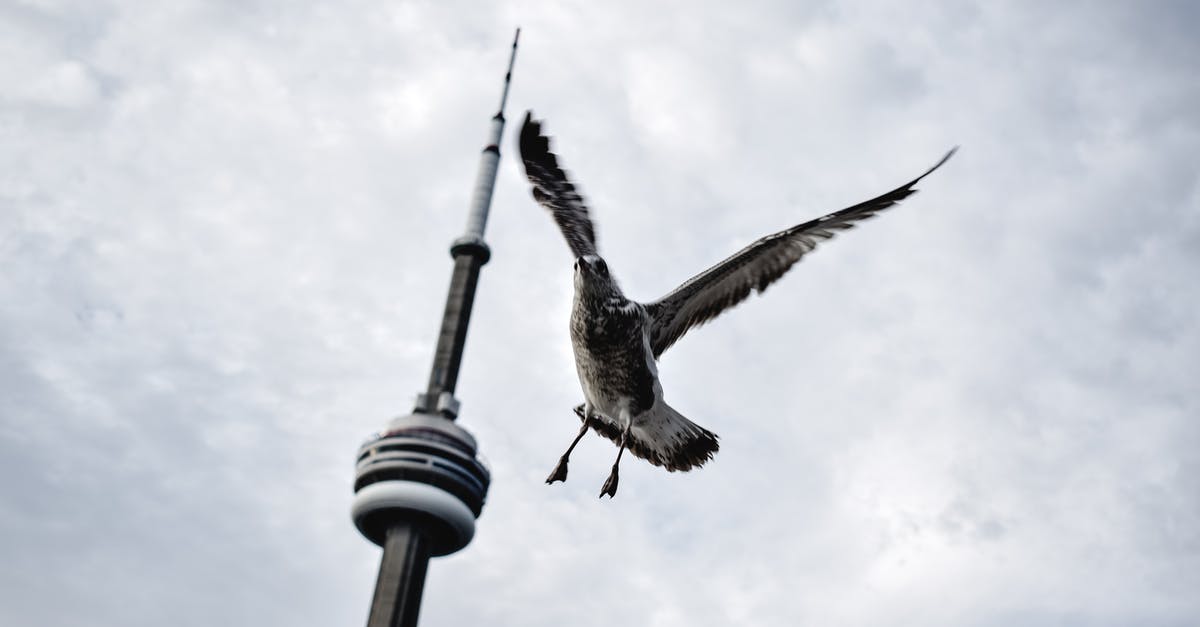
{"x":419,"y":483}
{"x":512,"y":58}
{"x":470,"y":252}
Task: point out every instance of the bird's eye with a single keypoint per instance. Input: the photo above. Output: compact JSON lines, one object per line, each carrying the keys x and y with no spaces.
{"x":576,"y":264}
{"x":603,"y":267}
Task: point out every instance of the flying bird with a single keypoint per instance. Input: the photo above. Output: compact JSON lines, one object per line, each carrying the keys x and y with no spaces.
{"x":617,"y":341}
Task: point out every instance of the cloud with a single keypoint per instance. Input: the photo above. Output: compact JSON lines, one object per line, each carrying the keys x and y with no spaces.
{"x":223,"y":228}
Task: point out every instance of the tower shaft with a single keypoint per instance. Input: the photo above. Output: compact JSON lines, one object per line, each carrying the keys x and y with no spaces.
{"x":401,"y":581}
{"x":447,"y":358}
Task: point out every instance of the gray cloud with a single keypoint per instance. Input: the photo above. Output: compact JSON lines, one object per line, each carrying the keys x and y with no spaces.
{"x":223,"y":228}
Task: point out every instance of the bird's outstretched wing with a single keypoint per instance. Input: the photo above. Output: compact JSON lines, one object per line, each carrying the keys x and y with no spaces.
{"x":706,"y":295}
{"x":554,"y":191}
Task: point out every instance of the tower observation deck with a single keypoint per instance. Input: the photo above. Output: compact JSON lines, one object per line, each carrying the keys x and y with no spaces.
{"x":419,"y":483}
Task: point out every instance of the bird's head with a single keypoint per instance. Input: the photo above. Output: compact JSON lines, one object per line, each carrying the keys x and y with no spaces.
{"x":592,"y":276}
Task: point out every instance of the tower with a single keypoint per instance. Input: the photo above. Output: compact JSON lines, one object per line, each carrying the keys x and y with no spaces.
{"x":419,"y":484}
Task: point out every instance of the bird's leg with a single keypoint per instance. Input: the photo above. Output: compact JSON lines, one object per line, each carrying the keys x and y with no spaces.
{"x":610,"y":485}
{"x":560,"y":471}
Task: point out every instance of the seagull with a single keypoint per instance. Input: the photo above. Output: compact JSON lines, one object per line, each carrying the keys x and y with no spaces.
{"x":617,"y":342}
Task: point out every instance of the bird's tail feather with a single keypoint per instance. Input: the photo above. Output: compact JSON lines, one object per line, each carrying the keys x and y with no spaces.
{"x":664,"y":437}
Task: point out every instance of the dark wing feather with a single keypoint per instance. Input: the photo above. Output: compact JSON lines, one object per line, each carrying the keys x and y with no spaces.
{"x":708,"y":294}
{"x":554,"y":191}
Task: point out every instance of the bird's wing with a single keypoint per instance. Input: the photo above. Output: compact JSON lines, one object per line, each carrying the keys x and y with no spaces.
{"x":554,"y":191}
{"x":706,"y":295}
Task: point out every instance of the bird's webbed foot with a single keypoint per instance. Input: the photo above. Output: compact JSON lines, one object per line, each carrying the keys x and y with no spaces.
{"x":560,"y":471}
{"x":610,"y":484}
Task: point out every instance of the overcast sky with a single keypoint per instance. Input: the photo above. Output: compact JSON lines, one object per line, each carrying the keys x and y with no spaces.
{"x":223,"y":258}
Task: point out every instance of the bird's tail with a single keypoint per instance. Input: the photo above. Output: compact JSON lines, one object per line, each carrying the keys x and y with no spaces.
{"x":664,"y":437}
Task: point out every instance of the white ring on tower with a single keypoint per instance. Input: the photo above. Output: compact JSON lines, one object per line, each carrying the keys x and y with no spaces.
{"x":420,"y":497}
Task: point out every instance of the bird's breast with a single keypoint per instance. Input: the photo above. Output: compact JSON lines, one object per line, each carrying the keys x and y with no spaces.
{"x":612,"y":359}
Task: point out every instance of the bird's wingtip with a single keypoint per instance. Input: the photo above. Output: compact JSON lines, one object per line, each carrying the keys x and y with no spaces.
{"x":937,"y":165}
{"x":949,"y":153}
{"x":531,"y":130}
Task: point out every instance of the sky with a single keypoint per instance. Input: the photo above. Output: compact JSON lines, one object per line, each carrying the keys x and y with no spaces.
{"x":224,"y":231}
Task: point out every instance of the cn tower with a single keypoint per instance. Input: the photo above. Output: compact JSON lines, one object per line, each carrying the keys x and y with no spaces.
{"x":420,"y":483}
